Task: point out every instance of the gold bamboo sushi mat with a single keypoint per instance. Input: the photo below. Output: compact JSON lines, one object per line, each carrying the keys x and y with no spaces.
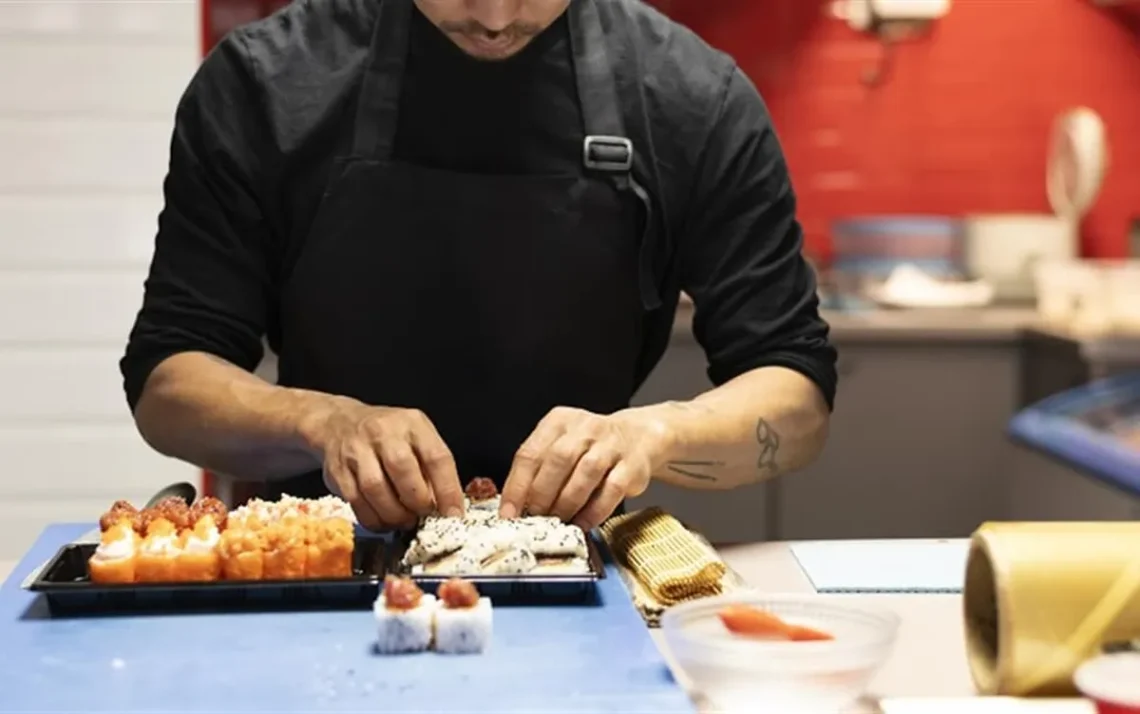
{"x":663,"y":563}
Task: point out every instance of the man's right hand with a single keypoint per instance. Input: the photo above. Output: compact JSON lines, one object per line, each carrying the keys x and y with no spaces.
{"x":390,"y":464}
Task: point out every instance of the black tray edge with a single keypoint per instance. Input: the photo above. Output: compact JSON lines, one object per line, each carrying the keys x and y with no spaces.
{"x":41,"y":583}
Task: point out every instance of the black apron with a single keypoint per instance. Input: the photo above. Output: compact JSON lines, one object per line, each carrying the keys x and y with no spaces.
{"x":482,"y":300}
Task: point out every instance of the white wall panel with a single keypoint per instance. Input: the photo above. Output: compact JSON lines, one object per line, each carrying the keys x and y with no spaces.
{"x":145,"y":22}
{"x":70,"y":231}
{"x":104,"y":80}
{"x":88,"y":90}
{"x":83,"y":461}
{"x":45,"y":386}
{"x":82,"y":155}
{"x":72,"y":307}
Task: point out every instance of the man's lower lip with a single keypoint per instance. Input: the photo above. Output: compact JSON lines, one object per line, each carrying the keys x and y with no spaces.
{"x":497,"y":43}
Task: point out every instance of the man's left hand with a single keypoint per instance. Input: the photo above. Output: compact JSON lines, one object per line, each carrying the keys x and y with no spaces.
{"x":580,"y":466}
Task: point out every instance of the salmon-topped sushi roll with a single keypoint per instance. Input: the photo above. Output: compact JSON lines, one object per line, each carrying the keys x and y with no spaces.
{"x":119,"y":512}
{"x":158,"y":554}
{"x":330,"y":545}
{"x":405,"y":617}
{"x":285,"y":551}
{"x":212,"y":507}
{"x":463,"y":619}
{"x":482,"y":495}
{"x":115,"y":558}
{"x":198,"y":557}
{"x":173,"y":509}
{"x":242,"y":552}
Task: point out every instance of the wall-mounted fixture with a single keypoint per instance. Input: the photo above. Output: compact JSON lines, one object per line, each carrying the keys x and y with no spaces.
{"x":873,"y":15}
{"x":891,"y":21}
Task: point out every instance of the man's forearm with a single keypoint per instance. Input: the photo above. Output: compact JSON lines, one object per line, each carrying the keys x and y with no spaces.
{"x":204,"y":410}
{"x":766,"y":422}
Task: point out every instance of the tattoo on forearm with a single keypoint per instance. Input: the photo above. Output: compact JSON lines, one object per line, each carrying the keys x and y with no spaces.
{"x":766,"y":437}
{"x":769,"y":442}
{"x":695,"y":469}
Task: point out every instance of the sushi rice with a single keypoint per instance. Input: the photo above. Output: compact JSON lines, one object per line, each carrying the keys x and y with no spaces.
{"x":405,"y":631}
{"x":464,"y":630}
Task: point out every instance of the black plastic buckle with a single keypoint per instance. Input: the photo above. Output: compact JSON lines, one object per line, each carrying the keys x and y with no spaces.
{"x":608,"y":153}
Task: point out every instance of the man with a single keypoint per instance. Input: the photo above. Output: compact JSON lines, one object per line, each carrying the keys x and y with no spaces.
{"x":463,"y":226}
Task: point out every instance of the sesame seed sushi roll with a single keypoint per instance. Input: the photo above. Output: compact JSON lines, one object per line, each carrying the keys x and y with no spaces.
{"x":405,"y":617}
{"x":242,"y":553}
{"x":463,"y":619}
{"x":513,"y":561}
{"x":285,"y":551}
{"x":330,"y":542}
{"x":198,"y":558}
{"x":115,"y":558}
{"x":436,"y":538}
{"x":558,"y":540}
{"x":158,"y":554}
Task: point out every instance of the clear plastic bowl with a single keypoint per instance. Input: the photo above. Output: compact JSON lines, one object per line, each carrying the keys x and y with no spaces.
{"x":734,"y":674}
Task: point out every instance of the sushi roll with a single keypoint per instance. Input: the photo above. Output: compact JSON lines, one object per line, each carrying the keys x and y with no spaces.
{"x":482,"y":544}
{"x":330,"y":543}
{"x":198,"y":556}
{"x":158,"y":554}
{"x":479,"y":517}
{"x":114,"y":560}
{"x":561,"y":566}
{"x":463,"y":620}
{"x":514,"y":561}
{"x":242,"y":552}
{"x":437,"y":538}
{"x":173,"y":509}
{"x":121,"y":511}
{"x":285,"y":550}
{"x":482,"y":495}
{"x":212,"y":507}
{"x":405,"y":617}
{"x":558,"y":540}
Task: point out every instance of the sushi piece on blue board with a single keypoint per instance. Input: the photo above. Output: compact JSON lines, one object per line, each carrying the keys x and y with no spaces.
{"x":405,"y":617}
{"x":463,"y":620}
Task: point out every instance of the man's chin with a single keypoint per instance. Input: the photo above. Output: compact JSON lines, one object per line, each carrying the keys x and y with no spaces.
{"x":490,"y":51}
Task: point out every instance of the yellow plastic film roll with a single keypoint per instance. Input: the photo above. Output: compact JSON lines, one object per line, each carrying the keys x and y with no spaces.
{"x":1040,"y":598}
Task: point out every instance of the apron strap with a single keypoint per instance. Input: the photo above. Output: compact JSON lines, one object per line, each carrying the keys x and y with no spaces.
{"x":378,"y":106}
{"x":607,"y":148}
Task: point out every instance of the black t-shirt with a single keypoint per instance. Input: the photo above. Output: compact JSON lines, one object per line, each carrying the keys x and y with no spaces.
{"x":273,"y":106}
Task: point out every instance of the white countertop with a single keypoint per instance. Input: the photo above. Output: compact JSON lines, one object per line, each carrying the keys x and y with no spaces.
{"x":931,"y":626}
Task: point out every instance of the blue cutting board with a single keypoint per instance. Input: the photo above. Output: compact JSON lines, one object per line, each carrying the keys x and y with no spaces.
{"x":566,"y":659}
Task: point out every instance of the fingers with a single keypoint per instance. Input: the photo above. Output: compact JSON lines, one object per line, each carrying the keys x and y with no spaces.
{"x":341,"y":481}
{"x":587,"y":474}
{"x":389,"y":463}
{"x":375,"y":488}
{"x":606,"y":498}
{"x":527,"y":461}
{"x":438,"y":467}
{"x":403,"y":470}
{"x":560,"y":461}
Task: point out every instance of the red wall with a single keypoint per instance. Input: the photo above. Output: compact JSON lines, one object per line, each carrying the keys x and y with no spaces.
{"x":962,"y":123}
